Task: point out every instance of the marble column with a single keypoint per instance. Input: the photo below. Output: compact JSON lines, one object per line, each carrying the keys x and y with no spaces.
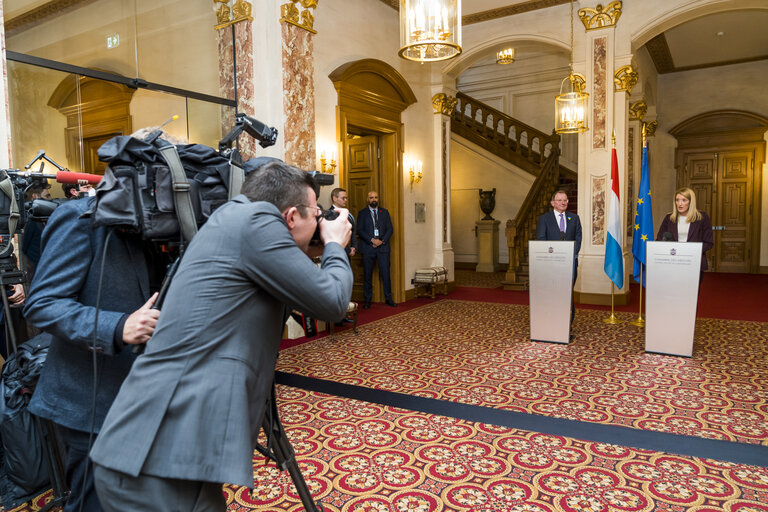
{"x":5,"y":121}
{"x":298,"y":97}
{"x":443,"y":102}
{"x":243,"y":43}
{"x":608,"y":114}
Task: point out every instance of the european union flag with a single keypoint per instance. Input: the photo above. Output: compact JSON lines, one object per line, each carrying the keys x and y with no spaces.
{"x":643,"y":220}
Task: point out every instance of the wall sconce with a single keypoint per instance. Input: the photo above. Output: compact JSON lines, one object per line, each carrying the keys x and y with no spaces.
{"x":506,"y":56}
{"x":327,"y":166}
{"x":415,"y":171}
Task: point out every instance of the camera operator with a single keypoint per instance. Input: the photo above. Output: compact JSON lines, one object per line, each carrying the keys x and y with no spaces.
{"x":187,"y":417}
{"x":63,"y":299}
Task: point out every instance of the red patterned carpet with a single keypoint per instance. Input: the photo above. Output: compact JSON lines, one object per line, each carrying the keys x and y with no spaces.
{"x":479,"y":353}
{"x":361,"y":457}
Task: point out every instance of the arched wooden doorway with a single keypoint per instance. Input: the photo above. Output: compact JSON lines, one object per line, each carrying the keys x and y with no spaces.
{"x":96,"y":111}
{"x":720,"y":156}
{"x":371,"y":97}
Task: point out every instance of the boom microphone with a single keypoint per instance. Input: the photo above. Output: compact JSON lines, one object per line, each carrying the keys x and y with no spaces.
{"x":77,"y":177}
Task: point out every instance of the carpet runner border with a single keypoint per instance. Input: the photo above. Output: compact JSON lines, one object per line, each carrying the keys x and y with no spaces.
{"x":728,"y":451}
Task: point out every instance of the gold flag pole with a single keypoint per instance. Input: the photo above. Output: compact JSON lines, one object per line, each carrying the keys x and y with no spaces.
{"x":613,"y":319}
{"x":640,"y":321}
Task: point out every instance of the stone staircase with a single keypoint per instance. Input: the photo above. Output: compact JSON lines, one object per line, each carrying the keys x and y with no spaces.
{"x":529,"y":149}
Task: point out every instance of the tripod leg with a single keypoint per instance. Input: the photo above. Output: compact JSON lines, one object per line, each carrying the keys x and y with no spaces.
{"x":284,"y":456}
{"x":52,"y":453}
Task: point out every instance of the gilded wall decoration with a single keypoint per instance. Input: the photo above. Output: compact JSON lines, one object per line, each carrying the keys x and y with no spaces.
{"x":444,"y":104}
{"x":600,"y":17}
{"x":298,"y":97}
{"x":624,"y":79}
{"x":445,"y":134}
{"x":650,"y":128}
{"x":599,"y":186}
{"x":304,"y":19}
{"x":599,"y":91}
{"x":637,"y":110}
{"x":229,"y":12}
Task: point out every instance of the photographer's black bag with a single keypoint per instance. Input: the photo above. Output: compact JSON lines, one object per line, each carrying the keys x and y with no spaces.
{"x":163,"y":191}
{"x":23,"y":470}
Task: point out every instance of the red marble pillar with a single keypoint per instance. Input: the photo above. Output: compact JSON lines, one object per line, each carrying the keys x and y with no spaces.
{"x":298,"y":97}
{"x":243,"y":40}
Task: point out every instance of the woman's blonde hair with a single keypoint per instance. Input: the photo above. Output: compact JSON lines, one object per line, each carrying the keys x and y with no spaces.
{"x":693,"y":213}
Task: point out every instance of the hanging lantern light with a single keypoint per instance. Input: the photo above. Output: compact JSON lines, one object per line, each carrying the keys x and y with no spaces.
{"x":430,"y":30}
{"x":571,"y":105}
{"x":505,"y":56}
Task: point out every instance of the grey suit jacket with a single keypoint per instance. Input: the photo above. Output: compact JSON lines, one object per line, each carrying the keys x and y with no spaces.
{"x":193,"y":403}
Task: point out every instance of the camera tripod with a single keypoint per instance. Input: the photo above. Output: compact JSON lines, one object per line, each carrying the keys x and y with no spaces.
{"x":45,"y":428}
{"x":279,"y":450}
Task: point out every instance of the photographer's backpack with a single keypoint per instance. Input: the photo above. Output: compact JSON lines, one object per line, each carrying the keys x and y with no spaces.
{"x":161,"y":190}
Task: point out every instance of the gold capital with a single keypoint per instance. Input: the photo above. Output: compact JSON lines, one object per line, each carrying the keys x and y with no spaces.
{"x":650,"y":127}
{"x":637,"y":110}
{"x":625,"y":79}
{"x":600,"y":16}
{"x":227,"y":14}
{"x":289,"y":13}
{"x":444,"y":104}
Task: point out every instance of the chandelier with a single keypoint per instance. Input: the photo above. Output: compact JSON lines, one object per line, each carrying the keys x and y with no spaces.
{"x":506,"y":56}
{"x":571,"y":104}
{"x":430,"y":30}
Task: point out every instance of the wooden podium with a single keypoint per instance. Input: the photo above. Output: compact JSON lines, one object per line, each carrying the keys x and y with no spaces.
{"x":672,"y":293}
{"x":551,"y":289}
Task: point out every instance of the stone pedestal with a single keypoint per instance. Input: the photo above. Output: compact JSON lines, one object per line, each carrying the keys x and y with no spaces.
{"x":487,"y":245}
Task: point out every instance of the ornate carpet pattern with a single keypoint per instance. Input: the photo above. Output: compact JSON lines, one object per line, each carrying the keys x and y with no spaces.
{"x":361,"y":457}
{"x":478,"y":279}
{"x":480,"y":354}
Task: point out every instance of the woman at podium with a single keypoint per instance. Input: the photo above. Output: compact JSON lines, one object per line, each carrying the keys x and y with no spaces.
{"x":687,"y":224}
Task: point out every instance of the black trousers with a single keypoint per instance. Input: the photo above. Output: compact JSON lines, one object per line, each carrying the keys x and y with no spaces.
{"x":79,"y":473}
{"x":120,"y":493}
{"x":370,"y":258}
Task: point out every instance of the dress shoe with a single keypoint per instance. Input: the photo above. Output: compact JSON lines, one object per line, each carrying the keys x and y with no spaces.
{"x":347,"y":321}
{"x":367,"y":305}
{"x":391,"y":303}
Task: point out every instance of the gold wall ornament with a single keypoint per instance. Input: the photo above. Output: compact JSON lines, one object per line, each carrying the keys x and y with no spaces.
{"x":444,"y":104}
{"x":289,"y":13}
{"x":579,"y":82}
{"x":625,"y":79}
{"x":600,"y":17}
{"x":650,"y":128}
{"x":230,"y":12}
{"x":637,"y":110}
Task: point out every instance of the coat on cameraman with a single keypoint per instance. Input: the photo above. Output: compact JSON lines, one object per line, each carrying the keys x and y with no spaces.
{"x":62,"y":301}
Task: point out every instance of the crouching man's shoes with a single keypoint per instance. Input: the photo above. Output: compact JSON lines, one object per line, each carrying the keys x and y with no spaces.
{"x":367,"y":305}
{"x":391,"y":303}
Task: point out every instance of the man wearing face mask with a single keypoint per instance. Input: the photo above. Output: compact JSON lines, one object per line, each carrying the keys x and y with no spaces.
{"x":374,"y":230}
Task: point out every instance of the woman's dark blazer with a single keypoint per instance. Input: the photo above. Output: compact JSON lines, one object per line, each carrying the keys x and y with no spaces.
{"x":698,"y":231}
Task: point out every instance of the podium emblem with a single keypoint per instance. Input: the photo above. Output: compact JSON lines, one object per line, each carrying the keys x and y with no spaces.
{"x":551,"y":250}
{"x":673,"y":252}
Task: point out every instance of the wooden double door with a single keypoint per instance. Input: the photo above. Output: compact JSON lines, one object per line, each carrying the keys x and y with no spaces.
{"x":725,"y":185}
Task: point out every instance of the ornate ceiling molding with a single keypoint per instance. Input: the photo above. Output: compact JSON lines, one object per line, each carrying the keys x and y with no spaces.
{"x":43,"y":12}
{"x":660,"y":54}
{"x":601,"y":17}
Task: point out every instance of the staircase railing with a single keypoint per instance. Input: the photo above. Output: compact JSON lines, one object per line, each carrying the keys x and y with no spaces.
{"x":523,"y":227}
{"x":502,"y":135}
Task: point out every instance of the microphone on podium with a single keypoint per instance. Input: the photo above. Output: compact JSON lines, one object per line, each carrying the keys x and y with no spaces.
{"x":562,"y":235}
{"x":666,"y":237}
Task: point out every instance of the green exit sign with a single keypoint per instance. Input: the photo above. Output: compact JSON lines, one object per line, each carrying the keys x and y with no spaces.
{"x":113,"y":41}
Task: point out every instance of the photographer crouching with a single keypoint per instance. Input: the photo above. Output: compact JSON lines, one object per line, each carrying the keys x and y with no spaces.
{"x":187,"y":418}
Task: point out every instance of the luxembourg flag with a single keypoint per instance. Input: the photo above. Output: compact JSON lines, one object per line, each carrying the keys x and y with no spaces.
{"x":614,"y":259}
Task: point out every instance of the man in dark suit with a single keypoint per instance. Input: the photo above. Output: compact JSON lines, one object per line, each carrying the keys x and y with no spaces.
{"x":561,"y":225}
{"x":374,"y":229}
{"x":62,"y":301}
{"x":339,"y":200}
{"x":188,"y":416}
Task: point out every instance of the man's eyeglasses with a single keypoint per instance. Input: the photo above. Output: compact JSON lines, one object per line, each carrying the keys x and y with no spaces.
{"x":319,"y":210}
